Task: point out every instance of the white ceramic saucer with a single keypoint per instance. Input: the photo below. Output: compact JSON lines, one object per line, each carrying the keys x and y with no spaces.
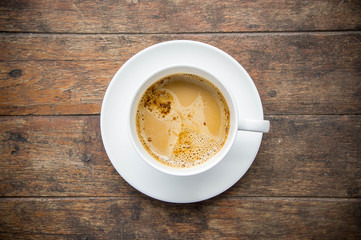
{"x":115,"y":109}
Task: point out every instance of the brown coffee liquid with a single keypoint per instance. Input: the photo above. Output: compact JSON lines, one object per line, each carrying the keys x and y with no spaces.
{"x":182,"y":120}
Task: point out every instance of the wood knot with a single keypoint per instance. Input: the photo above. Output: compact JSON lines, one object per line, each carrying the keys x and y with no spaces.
{"x":272,"y":93}
{"x":16,"y":73}
{"x":86,"y":158}
{"x":14,"y":136}
{"x":15,"y":151}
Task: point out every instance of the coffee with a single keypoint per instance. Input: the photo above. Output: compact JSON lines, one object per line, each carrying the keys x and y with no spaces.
{"x":182,"y":120}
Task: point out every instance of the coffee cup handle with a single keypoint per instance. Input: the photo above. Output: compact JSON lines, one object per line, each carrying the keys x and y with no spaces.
{"x":254,"y":125}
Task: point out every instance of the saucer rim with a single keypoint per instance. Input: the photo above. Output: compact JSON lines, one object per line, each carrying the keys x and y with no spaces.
{"x":108,"y":150}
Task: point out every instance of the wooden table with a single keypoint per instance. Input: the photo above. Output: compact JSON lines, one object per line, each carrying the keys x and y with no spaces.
{"x":57,"y":58}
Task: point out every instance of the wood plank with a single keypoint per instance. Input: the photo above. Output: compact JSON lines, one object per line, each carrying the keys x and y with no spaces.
{"x":63,"y":156}
{"x":56,"y":156}
{"x":144,"y":218}
{"x":145,"y":16}
{"x":313,"y":73}
{"x":260,"y":49}
{"x":54,"y":87}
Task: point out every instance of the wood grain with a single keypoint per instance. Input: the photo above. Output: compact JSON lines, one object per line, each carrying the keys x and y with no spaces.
{"x":58,"y":57}
{"x":306,"y":49}
{"x":144,"y":218}
{"x":305,"y":156}
{"x":301,"y":73}
{"x":149,"y":16}
{"x":54,"y":87}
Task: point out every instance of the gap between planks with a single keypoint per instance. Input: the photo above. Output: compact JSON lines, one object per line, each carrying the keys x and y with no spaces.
{"x":263,"y":198}
{"x":245,"y":33}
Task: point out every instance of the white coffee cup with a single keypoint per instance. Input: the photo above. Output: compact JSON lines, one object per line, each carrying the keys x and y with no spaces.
{"x":236,"y":124}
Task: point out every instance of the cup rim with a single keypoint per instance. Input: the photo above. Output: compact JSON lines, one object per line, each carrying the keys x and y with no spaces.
{"x":145,"y":156}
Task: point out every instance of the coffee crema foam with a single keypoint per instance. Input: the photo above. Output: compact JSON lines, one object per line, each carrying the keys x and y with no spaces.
{"x":182,"y":120}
